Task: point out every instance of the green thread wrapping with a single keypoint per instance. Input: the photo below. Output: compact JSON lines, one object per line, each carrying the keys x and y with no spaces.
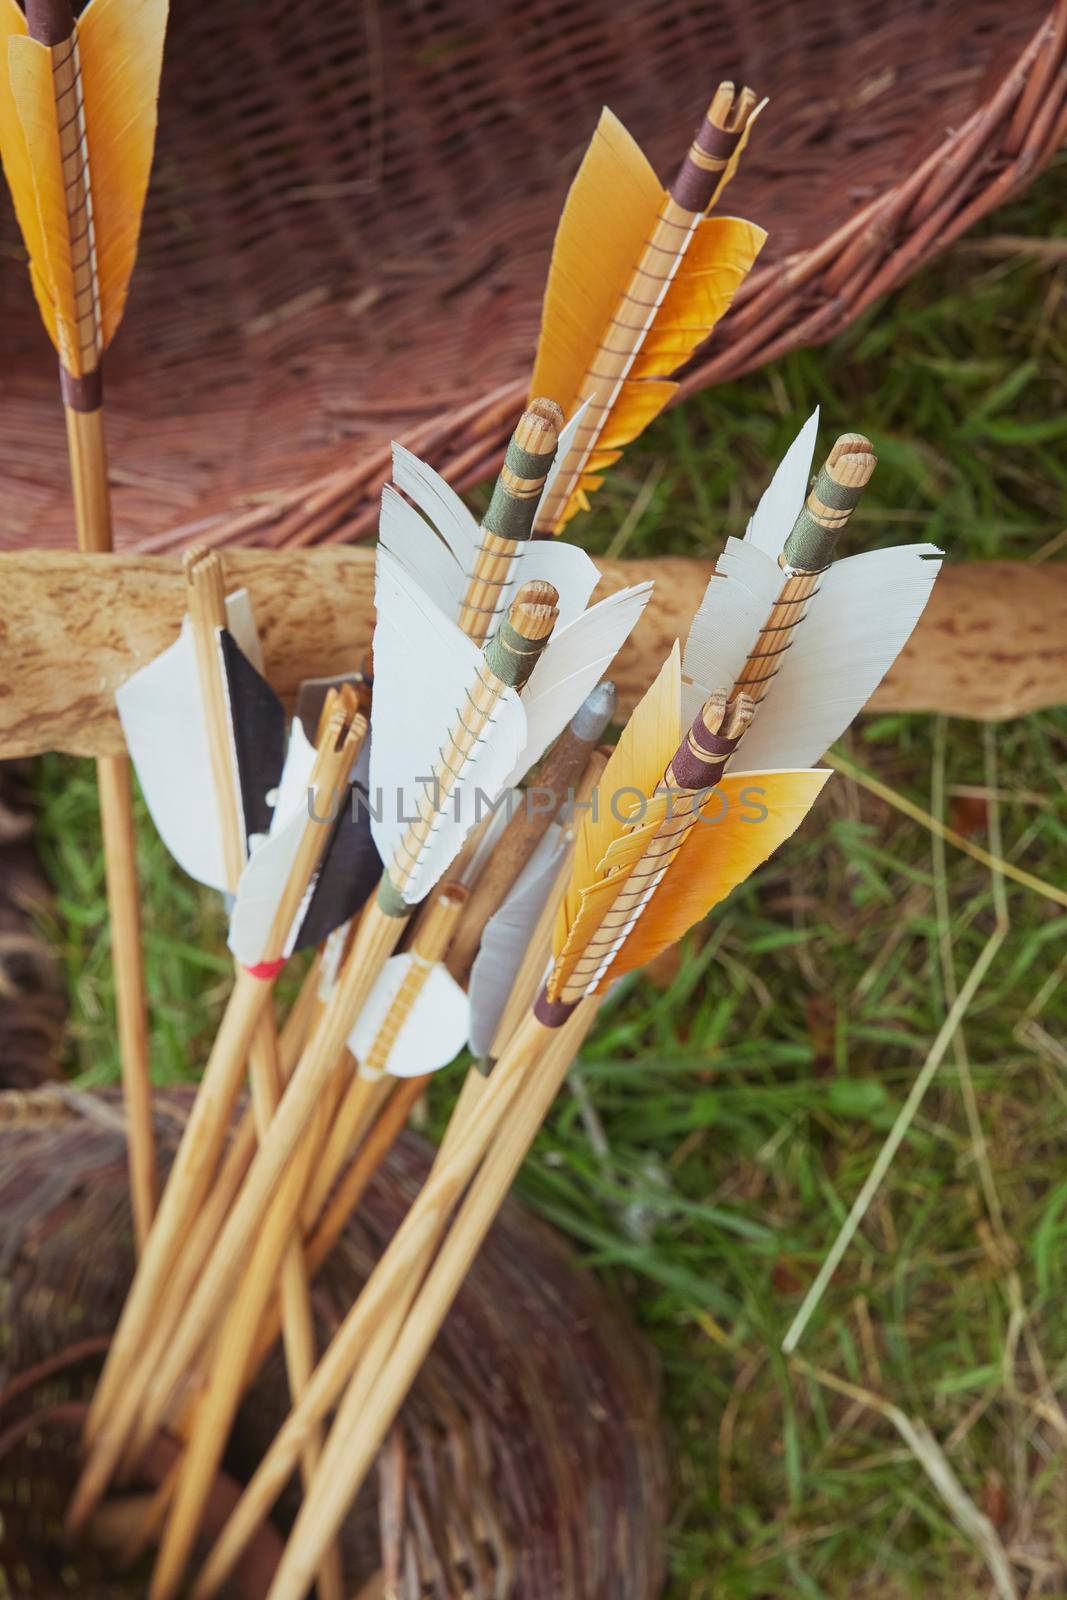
{"x":810,"y":546}
{"x":838,"y":496}
{"x":510,"y":657}
{"x":528,"y":463}
{"x":508,"y":517}
{"x":511,"y":516}
{"x":390,"y":900}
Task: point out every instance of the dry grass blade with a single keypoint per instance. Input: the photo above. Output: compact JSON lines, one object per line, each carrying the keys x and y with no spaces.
{"x":953,"y":1021}
{"x":974,"y":1524}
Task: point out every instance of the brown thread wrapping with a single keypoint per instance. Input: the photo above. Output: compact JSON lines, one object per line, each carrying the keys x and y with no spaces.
{"x":82,"y":394}
{"x":705,"y":162}
{"x":552,"y":1013}
{"x":49,"y":21}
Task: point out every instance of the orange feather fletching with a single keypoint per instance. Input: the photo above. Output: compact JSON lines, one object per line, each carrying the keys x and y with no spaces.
{"x":595,"y":281}
{"x":741,"y":823}
{"x":113,"y":72}
{"x":636,"y":767}
{"x":747,"y":817}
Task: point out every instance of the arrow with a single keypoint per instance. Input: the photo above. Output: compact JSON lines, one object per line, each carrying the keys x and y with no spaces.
{"x":639,"y":277}
{"x":77,"y":131}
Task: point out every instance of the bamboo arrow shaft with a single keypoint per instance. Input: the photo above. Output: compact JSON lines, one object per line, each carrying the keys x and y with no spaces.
{"x":87,"y":453}
{"x":273,"y":1252}
{"x":119,"y":1395}
{"x":115,"y":788}
{"x":541,"y":1057}
{"x":298,"y":1105}
{"x":92,"y":511}
{"x":405,"y":1255}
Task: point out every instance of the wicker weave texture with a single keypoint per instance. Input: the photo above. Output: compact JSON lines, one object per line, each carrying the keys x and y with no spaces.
{"x":353,"y":207}
{"x":527,"y":1461}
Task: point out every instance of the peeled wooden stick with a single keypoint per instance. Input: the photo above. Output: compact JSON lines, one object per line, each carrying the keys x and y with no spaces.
{"x":117,"y":1399}
{"x":207,"y":614}
{"x":92,"y":516}
{"x":374,"y":1397}
{"x":379,"y":1139}
{"x":356,"y":1112}
{"x":231,"y":1173}
{"x":541,"y":802}
{"x":234,"y":1349}
{"x":988,"y":645}
{"x":323,"y":1235}
{"x":214,"y":1416}
{"x":532,"y":616}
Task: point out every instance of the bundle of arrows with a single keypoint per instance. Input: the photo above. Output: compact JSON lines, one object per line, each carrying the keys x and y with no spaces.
{"x":445,"y":828}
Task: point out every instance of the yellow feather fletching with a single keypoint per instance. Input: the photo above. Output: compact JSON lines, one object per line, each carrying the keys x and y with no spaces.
{"x":611,"y":213}
{"x":633,"y":773}
{"x":717,"y":262}
{"x":608,"y":214}
{"x":636,"y":405}
{"x":121,"y":48}
{"x":18,"y":168}
{"x":735,"y":160}
{"x":30,"y":140}
{"x":720,"y":852}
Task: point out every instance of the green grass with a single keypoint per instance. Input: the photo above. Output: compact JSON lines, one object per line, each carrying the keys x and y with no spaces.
{"x":727,"y":1112}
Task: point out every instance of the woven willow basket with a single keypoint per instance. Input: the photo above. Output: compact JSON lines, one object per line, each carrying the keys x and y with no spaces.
{"x":527,"y":1462}
{"x":354,"y":203}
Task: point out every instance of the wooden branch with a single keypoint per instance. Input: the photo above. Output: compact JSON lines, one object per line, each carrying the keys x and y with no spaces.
{"x":991,"y":645}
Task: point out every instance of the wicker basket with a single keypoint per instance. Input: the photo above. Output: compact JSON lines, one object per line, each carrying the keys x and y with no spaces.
{"x":353,"y":205}
{"x":527,"y":1461}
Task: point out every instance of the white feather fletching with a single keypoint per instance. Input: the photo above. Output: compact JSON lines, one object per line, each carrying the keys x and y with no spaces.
{"x":162,"y":715}
{"x":259,"y":889}
{"x":570,"y":571}
{"x":267,"y":870}
{"x":772,"y":521}
{"x":440,"y":561}
{"x":743,"y":588}
{"x":563,"y":445}
{"x":439,"y":503}
{"x":423,"y":669}
{"x":407,"y":535}
{"x":506,"y":938}
{"x":747,"y":580}
{"x":574,"y":662}
{"x":434,"y":1030}
{"x":291,"y":794}
{"x":853,"y":630}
